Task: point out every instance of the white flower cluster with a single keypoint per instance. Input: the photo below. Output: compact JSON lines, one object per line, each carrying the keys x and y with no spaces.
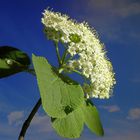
{"x":82,"y":42}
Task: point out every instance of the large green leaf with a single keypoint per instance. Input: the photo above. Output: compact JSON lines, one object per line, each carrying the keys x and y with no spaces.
{"x":92,"y":119}
{"x":59,"y":95}
{"x":12,"y":61}
{"x":71,"y":126}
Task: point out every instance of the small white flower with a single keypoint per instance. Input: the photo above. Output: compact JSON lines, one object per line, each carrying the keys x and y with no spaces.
{"x":82,"y":41}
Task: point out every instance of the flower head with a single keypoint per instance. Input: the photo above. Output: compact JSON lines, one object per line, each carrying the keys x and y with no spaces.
{"x":82,"y":42}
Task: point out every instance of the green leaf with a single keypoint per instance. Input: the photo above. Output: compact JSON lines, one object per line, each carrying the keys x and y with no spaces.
{"x":92,"y":119}
{"x":71,"y":126}
{"x":12,"y":61}
{"x":59,"y":95}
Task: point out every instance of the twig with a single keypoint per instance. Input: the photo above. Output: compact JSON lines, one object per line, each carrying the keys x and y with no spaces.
{"x":28,"y":121}
{"x":57,"y":53}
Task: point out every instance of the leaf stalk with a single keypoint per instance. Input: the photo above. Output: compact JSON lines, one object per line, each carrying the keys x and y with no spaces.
{"x":28,"y":121}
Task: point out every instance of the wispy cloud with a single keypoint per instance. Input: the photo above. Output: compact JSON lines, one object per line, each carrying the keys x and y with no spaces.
{"x":128,"y":9}
{"x":135,"y":80}
{"x":111,"y":108}
{"x":42,"y":123}
{"x":134,"y":114}
{"x":109,"y":18}
{"x":15,"y":117}
{"x":40,"y":128}
{"x":126,"y":136}
{"x":120,"y":8}
{"x":120,"y":130}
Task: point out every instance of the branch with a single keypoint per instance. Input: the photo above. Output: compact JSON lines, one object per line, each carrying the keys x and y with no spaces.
{"x":57,"y":53}
{"x":29,"y":119}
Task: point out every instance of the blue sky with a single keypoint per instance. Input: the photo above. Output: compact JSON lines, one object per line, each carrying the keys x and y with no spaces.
{"x":117,"y":23}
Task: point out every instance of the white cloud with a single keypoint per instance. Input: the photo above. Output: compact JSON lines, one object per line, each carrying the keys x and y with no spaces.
{"x":111,"y":108}
{"x":40,"y":129}
{"x":135,"y":80}
{"x":128,"y":9}
{"x":15,"y":117}
{"x":107,"y":15}
{"x":134,"y":114}
{"x":124,"y":136}
{"x":40,"y":126}
{"x":41,"y":123}
{"x":120,"y":8}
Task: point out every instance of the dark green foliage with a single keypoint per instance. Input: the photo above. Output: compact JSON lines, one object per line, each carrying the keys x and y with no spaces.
{"x":12,"y":61}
